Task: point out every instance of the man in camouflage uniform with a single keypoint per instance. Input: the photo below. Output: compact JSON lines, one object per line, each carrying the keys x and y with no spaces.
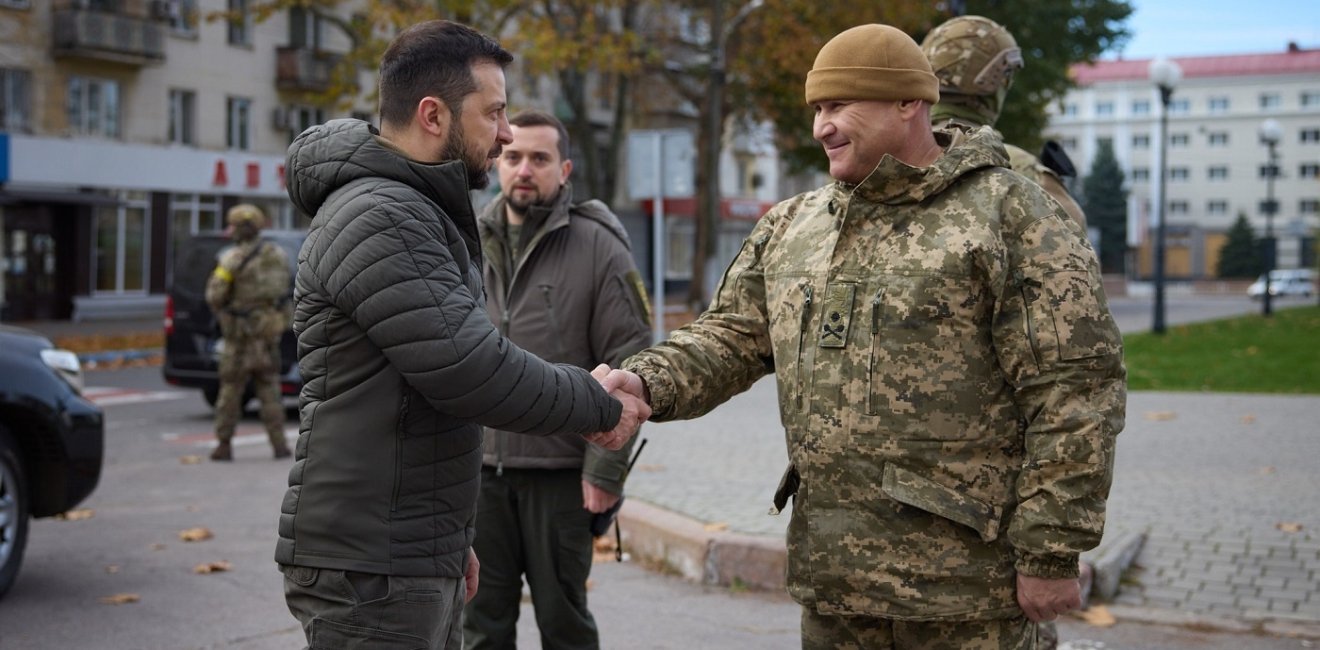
{"x":247,"y":293}
{"x":950,"y":379}
{"x":974,"y":59}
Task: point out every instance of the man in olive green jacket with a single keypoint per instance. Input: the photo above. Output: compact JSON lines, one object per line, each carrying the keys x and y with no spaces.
{"x":561,"y":283}
{"x":950,"y":378}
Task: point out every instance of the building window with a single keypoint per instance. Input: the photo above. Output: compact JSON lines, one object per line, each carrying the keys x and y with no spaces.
{"x":93,"y":106}
{"x":1310,"y":99}
{"x":1310,"y":135}
{"x":1140,"y":174}
{"x":1218,"y":139}
{"x":303,"y":118}
{"x":189,"y":215}
{"x":1268,"y":170}
{"x":15,"y":100}
{"x":240,"y":24}
{"x":1140,"y":142}
{"x":1308,"y":170}
{"x":1218,"y":173}
{"x":183,"y":116}
{"x":1141,"y":107}
{"x":1218,"y":105}
{"x":1069,"y":110}
{"x":1180,"y":106}
{"x":1178,"y":207}
{"x":1179,"y":140}
{"x":180,"y":15}
{"x":1216,"y":207}
{"x":1309,"y":206}
{"x":121,"y":261}
{"x":1069,"y":143}
{"x":1103,"y":142}
{"x":1179,"y":173}
{"x":304,"y":29}
{"x":16,"y":4}
{"x":1104,"y":108}
{"x":1270,"y":101}
{"x":238,"y":123}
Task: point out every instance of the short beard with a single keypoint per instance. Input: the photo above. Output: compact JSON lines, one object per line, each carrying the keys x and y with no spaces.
{"x":478,"y":171}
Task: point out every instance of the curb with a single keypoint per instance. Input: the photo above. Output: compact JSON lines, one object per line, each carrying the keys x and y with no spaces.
{"x":1110,"y":559}
{"x":678,"y":544}
{"x":93,"y":359}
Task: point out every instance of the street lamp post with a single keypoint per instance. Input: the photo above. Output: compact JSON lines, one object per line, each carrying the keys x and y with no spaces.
{"x":1165,"y":74}
{"x":1270,"y":133}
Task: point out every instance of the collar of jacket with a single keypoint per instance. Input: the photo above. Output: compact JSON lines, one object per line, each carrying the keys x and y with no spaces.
{"x":537,"y":219}
{"x":328,"y":156}
{"x":894,"y":182}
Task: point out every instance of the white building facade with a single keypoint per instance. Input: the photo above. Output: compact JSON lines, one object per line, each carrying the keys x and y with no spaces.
{"x":128,"y":125}
{"x":1217,"y":165}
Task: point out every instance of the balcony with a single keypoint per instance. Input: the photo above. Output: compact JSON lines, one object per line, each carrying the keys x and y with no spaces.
{"x":304,"y":69}
{"x":108,"y":36}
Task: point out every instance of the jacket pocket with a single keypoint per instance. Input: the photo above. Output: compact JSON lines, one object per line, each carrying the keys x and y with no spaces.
{"x":913,"y":489}
{"x":1065,"y":320}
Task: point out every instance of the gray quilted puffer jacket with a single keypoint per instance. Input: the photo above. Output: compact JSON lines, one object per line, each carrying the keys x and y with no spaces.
{"x":400,"y":363}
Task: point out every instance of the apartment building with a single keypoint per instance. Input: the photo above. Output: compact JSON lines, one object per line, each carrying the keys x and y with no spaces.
{"x":128,"y":125}
{"x":1217,"y":166}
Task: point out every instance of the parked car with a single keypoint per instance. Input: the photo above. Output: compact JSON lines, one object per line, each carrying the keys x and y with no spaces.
{"x":192,"y":335}
{"x":52,"y":440}
{"x":1285,"y":282}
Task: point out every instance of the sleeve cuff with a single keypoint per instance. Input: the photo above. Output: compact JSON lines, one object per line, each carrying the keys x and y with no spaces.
{"x":1053,"y":567}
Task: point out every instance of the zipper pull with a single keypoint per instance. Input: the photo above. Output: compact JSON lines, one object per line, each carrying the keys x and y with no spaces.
{"x":806,"y":306}
{"x":875,"y":312}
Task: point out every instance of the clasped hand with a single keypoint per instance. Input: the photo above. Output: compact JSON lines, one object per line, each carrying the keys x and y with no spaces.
{"x":628,"y":389}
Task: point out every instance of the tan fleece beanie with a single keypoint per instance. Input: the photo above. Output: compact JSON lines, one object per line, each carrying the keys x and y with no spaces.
{"x":872,"y":62}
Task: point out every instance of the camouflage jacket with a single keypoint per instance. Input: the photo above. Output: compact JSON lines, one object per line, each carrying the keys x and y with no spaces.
{"x":950,"y":382}
{"x":250,"y":298}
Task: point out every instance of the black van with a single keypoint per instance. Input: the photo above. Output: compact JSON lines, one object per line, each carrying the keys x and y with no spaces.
{"x":191,"y":331}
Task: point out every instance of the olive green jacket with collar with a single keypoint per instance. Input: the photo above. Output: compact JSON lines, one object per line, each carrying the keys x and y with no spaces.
{"x":950,"y":382}
{"x":573,"y":296}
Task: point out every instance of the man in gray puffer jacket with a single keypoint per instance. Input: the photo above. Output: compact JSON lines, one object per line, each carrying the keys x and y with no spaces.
{"x":400,"y":362}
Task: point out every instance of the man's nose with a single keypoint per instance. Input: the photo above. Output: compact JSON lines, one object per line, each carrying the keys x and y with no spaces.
{"x":504,"y":133}
{"x":821,"y":128}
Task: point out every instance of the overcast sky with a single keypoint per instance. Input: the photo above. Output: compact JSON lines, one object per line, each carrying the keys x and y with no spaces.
{"x":1199,"y":27}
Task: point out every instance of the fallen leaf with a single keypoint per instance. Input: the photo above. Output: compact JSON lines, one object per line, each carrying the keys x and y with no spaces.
{"x":602,"y":544}
{"x":591,"y":584}
{"x":157,"y":547}
{"x":1160,"y":416}
{"x":112,"y":568}
{"x":212,"y":567}
{"x":191,"y":508}
{"x":195,"y":534}
{"x":1098,"y":616}
{"x":651,"y":468}
{"x":120,"y":599}
{"x":717,"y":527}
{"x":1266,"y":470}
{"x":190,"y":459}
{"x":1248,"y":419}
{"x":76,"y":515}
{"x":1289,"y":526}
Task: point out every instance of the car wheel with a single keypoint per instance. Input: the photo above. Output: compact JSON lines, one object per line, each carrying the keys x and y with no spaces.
{"x":13,"y":510}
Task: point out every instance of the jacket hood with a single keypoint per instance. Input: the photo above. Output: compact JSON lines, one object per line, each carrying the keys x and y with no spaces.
{"x":548,"y":217}
{"x":331,"y":155}
{"x":966,"y":150}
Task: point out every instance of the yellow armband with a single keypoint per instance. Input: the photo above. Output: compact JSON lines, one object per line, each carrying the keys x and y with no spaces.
{"x":223,"y":273}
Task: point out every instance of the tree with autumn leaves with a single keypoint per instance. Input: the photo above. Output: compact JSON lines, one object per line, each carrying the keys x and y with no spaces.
{"x":722,"y":60}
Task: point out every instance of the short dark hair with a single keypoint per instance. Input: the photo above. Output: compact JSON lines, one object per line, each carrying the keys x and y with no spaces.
{"x":433,"y":59}
{"x":533,"y":117}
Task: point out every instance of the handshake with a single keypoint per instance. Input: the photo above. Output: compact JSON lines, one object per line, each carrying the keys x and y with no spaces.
{"x":628,"y":388}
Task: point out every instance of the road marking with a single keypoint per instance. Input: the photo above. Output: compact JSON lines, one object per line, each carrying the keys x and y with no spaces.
{"x":109,"y":396}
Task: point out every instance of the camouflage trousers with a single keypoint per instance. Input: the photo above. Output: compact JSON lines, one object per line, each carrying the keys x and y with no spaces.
{"x":829,"y":632}
{"x":255,"y":361}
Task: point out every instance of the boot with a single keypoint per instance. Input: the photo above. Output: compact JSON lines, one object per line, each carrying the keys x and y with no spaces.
{"x":223,"y":451}
{"x":282,"y":451}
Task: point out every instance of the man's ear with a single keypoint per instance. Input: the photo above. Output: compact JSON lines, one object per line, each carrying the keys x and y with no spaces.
{"x":433,"y":117}
{"x":568,"y":169}
{"x":909,"y":108}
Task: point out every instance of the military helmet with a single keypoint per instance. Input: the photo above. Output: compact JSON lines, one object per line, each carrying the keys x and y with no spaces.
{"x":245,"y":213}
{"x":972,"y":55}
